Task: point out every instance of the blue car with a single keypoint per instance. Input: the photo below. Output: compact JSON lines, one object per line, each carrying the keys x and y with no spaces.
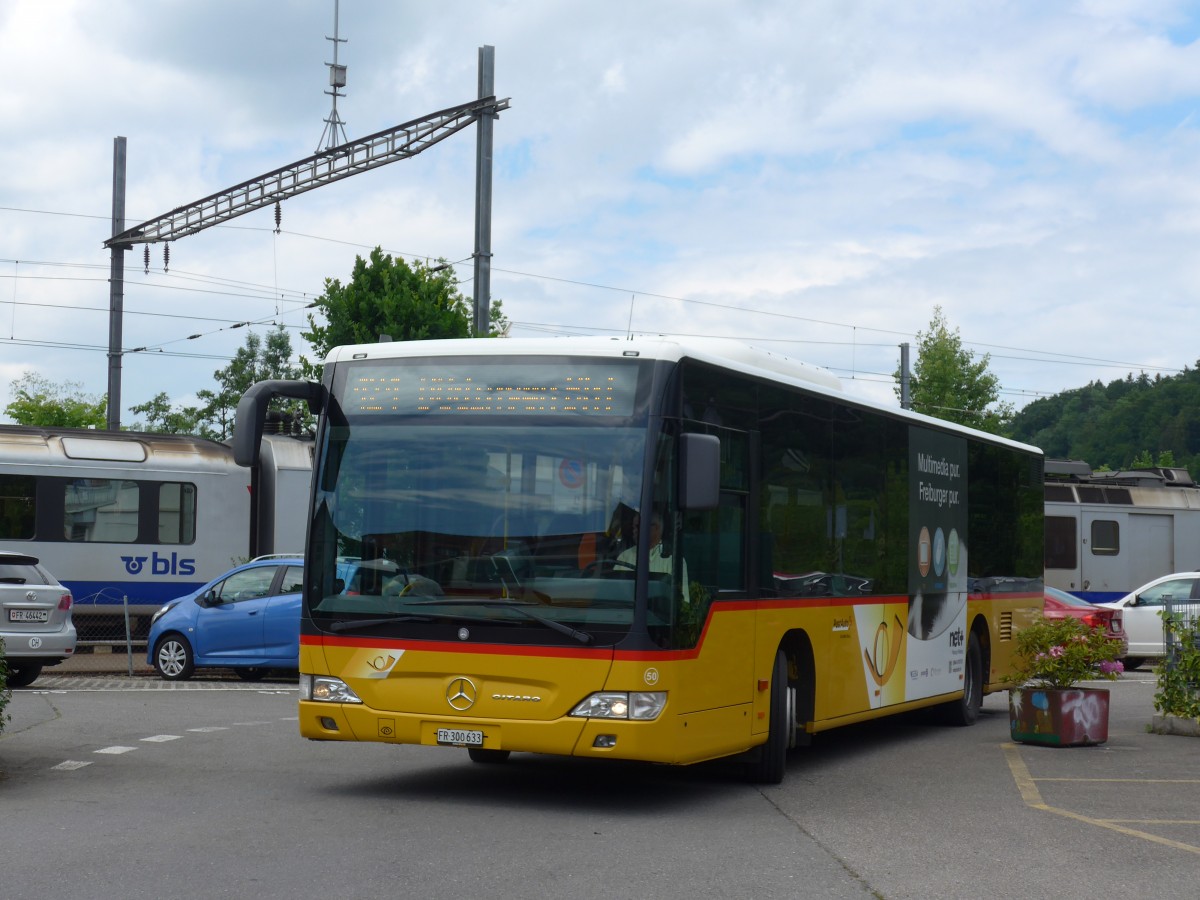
{"x":247,"y":620}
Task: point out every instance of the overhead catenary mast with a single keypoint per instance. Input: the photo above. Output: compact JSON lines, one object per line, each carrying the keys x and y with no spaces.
{"x":335,"y":131}
{"x":324,"y":167}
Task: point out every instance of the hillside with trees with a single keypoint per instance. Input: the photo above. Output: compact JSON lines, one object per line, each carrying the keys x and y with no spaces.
{"x":1130,"y":422}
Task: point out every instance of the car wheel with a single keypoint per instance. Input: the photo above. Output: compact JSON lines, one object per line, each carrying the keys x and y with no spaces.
{"x":772,"y":761}
{"x":251,"y":673}
{"x":480,"y":755}
{"x":23,"y":674}
{"x":173,"y":658}
{"x":1132,"y":662}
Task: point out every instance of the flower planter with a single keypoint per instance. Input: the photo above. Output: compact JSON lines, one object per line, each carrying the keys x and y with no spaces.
{"x":1059,"y":717}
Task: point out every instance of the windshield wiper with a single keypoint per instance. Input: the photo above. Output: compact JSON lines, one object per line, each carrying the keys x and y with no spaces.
{"x":348,"y":624}
{"x":521,"y":606}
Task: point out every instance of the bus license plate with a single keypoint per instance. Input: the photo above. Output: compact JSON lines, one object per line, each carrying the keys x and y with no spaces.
{"x":465,"y":737}
{"x":29,"y":615}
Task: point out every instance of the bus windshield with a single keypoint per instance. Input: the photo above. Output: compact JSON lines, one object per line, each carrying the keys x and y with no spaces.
{"x":512,"y":526}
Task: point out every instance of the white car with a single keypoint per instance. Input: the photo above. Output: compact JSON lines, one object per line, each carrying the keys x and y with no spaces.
{"x":1141,"y":608}
{"x":35,"y":618}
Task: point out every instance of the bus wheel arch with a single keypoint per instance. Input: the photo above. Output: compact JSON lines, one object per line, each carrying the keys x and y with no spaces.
{"x":802,"y":681}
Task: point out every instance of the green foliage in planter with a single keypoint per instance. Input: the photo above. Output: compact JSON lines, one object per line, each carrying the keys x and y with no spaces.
{"x":5,"y":695}
{"x":1059,"y":653}
{"x":1178,"y":691}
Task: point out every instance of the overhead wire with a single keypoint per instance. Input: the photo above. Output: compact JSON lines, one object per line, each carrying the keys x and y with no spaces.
{"x":301,"y":297}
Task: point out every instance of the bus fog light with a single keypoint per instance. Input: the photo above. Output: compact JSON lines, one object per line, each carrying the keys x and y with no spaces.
{"x":328,"y":724}
{"x":605,"y":741}
{"x":639,"y":705}
{"x":646,"y":705}
{"x":326,"y":689}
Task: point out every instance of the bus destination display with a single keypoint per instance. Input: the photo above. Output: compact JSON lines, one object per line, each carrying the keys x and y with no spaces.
{"x":568,"y":389}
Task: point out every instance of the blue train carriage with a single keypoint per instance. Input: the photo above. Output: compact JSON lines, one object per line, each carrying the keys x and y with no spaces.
{"x":132,"y":520}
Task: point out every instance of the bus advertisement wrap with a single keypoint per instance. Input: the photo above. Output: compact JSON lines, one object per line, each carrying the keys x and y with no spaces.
{"x":937,"y":567}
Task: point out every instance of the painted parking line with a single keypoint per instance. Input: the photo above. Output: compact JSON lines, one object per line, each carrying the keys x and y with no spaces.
{"x":1027,"y":785}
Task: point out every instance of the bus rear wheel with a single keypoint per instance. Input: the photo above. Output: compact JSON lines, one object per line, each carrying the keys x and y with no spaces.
{"x":965,"y":710}
{"x":771,"y":764}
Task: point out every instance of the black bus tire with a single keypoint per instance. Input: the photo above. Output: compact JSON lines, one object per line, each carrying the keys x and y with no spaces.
{"x":771,"y":764}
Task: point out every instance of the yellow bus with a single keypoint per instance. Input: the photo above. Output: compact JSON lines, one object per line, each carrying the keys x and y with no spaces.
{"x":645,"y":549}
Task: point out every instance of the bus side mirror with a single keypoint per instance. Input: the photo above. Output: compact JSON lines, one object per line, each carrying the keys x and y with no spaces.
{"x":699,"y":471}
{"x":252,"y":412}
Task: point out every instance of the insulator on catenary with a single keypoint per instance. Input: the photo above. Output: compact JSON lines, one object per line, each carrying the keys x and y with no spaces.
{"x":278,"y":216}
{"x":166,"y":257}
{"x":146,"y":259}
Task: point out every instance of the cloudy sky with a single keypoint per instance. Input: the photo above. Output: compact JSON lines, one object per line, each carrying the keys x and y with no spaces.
{"x":814,"y":176}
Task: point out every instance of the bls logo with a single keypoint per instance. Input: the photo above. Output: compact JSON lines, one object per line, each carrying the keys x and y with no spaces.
{"x":160,"y":565}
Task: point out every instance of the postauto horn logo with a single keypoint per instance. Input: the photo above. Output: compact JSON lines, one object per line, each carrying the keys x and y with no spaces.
{"x":160,"y":565}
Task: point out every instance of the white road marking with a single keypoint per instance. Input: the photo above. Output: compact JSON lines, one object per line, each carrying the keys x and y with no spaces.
{"x":160,"y":738}
{"x":208,"y":728}
{"x":70,"y":765}
{"x":115,"y":750}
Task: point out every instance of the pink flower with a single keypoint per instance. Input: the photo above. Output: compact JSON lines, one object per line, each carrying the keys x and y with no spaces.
{"x":1108,"y":667}
{"x":1057,"y":651}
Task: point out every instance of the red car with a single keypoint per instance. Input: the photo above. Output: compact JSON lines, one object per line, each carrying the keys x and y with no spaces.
{"x":1060,"y":604}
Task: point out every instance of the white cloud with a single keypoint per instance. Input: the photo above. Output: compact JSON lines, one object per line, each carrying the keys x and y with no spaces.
{"x":1030,"y":168}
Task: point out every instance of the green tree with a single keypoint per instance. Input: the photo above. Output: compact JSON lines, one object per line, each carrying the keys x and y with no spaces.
{"x":162,"y":418}
{"x":258,"y":359}
{"x":255,"y":360}
{"x":1112,"y":427}
{"x":949,"y":383}
{"x":389,"y":296}
{"x":39,"y":401}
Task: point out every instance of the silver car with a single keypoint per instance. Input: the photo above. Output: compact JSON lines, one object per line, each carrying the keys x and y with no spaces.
{"x":35,"y":618}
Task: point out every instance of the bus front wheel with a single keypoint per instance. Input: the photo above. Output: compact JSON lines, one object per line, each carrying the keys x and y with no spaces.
{"x":771,"y":764}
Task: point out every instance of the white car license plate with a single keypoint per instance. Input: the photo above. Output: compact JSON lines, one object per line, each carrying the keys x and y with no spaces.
{"x":29,"y":615}
{"x":466,"y":737}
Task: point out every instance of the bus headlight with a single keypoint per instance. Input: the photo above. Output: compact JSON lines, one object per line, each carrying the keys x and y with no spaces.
{"x":640,"y":705}
{"x":326,"y":689}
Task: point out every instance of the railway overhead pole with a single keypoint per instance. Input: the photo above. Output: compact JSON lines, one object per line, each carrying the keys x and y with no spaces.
{"x":323,"y":167}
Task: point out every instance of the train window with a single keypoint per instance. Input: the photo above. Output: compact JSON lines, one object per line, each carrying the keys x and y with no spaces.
{"x":101,"y":509}
{"x":176,"y":513}
{"x":17,"y":494}
{"x":1061,"y":542}
{"x":1106,"y":538}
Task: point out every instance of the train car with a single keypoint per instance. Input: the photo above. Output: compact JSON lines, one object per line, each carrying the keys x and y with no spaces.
{"x":1108,"y":533}
{"x":130,"y":520}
